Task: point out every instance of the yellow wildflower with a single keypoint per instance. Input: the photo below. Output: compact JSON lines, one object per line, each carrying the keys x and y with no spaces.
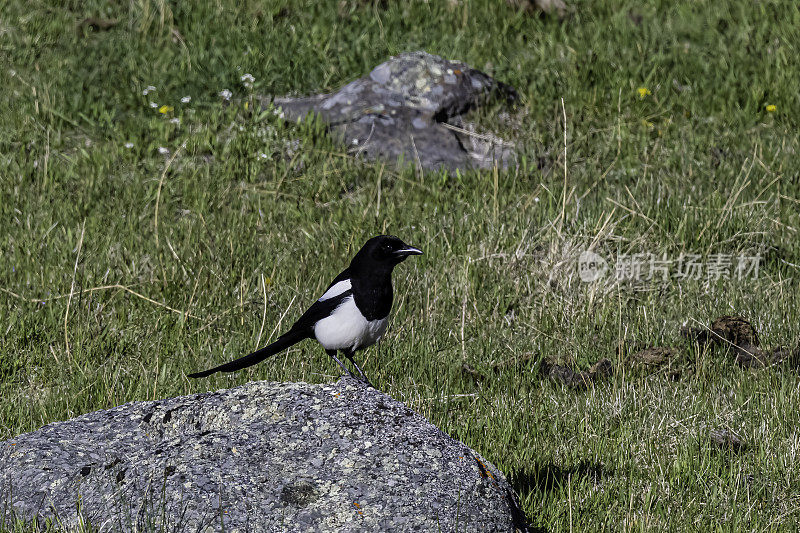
{"x":771,"y":108}
{"x":643,"y":91}
{"x":164,"y":109}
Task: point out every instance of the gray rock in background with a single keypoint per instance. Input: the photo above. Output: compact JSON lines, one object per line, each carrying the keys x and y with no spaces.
{"x":259,"y":457}
{"x":411,"y":107}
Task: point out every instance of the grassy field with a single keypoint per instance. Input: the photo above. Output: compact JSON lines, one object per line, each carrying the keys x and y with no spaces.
{"x":144,"y":237}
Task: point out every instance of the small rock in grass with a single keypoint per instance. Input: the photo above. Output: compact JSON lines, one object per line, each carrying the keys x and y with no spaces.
{"x":410,"y":108}
{"x":725,"y":439}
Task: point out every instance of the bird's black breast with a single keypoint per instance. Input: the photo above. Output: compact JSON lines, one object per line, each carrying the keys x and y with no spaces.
{"x":373,"y":297}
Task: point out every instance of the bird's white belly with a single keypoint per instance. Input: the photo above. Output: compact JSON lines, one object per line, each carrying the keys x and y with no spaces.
{"x":346,"y":328}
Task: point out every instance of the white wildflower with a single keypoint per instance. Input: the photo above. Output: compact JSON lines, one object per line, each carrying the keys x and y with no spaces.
{"x":186,"y":99}
{"x":225,"y":94}
{"x":247,"y":80}
{"x":262,"y":155}
{"x":355,"y":141}
{"x":153,"y":105}
{"x":128,"y":145}
{"x":175,"y":120}
{"x":162,"y":150}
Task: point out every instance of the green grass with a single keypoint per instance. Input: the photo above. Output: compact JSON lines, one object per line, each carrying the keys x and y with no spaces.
{"x":125,"y":269}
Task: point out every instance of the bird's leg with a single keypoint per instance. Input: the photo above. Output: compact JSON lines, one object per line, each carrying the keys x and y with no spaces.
{"x":332,"y":353}
{"x":349,"y":354}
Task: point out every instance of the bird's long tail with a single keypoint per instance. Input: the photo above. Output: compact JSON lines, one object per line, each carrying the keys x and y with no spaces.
{"x":284,"y":341}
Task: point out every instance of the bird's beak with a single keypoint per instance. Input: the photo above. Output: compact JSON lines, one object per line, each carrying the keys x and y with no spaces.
{"x":408,"y":250}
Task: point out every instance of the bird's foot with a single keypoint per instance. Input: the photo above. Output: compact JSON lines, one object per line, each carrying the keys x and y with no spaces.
{"x":361,"y":379}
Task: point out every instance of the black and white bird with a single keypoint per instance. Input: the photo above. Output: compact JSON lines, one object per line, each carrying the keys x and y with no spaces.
{"x":350,"y":316}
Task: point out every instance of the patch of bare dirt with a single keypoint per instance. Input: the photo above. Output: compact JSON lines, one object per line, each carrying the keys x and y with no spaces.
{"x":737,"y":336}
{"x":577,"y":379}
{"x":733,"y":334}
{"x":655,"y":355}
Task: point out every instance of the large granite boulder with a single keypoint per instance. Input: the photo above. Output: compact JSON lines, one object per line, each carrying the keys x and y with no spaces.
{"x":259,"y":457}
{"x":410,"y":107}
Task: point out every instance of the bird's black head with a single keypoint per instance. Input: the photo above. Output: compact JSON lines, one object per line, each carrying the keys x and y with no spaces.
{"x":385,"y":250}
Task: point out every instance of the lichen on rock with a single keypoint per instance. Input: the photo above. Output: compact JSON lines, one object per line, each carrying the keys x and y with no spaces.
{"x":259,"y":457}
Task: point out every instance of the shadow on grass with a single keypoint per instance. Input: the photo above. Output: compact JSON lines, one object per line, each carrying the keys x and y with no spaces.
{"x":543,"y":478}
{"x":547,"y":477}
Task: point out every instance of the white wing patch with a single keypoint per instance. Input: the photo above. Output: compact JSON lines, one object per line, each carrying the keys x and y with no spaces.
{"x":336,"y":290}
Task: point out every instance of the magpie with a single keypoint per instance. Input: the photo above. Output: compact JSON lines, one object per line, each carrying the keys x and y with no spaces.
{"x":351,"y":315}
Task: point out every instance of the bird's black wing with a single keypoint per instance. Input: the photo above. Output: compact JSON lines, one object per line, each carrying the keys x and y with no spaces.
{"x":323,"y":308}
{"x":319,"y":310}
